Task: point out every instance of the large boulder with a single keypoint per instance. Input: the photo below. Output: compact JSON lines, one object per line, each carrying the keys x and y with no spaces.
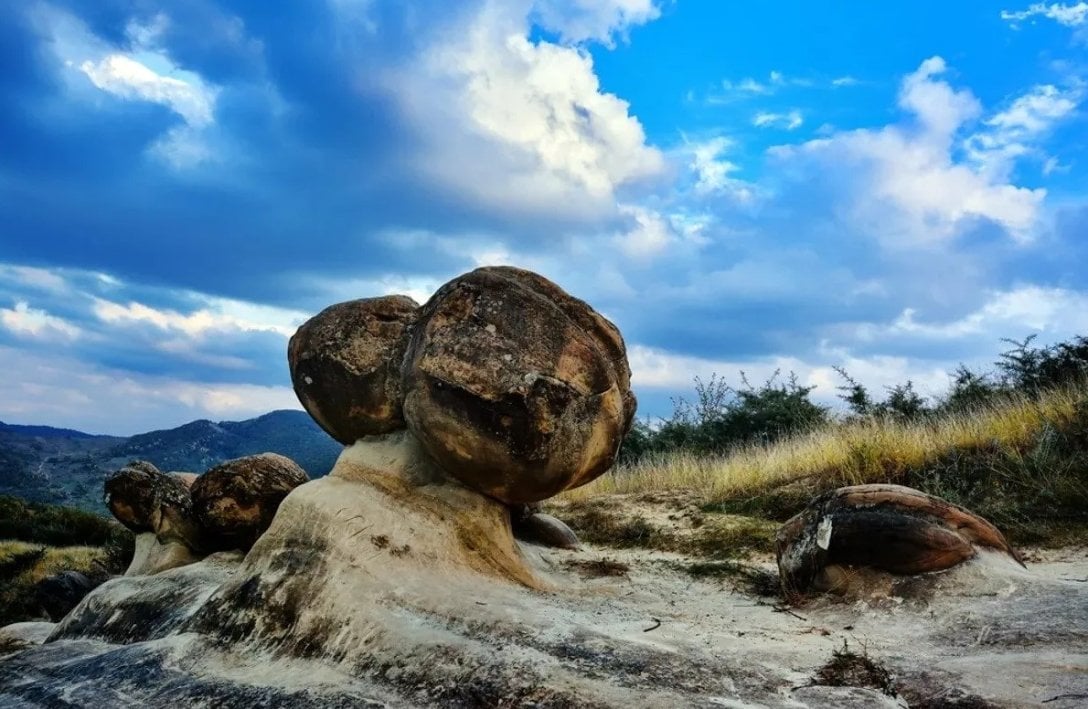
{"x":885,"y":528}
{"x":514,"y":387}
{"x":236,"y":501}
{"x":345,"y":365}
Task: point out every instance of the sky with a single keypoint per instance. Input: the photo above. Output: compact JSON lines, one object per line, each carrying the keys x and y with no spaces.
{"x":887,"y":187}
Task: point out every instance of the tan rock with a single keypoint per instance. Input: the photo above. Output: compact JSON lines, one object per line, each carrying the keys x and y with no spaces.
{"x":887,"y":528}
{"x":345,"y":365}
{"x":236,"y":500}
{"x":514,"y":387}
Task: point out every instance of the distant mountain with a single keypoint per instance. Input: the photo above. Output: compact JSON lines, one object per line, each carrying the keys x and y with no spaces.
{"x":62,"y":466}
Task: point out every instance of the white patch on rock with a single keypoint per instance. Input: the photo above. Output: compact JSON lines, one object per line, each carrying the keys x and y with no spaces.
{"x":823,"y":534}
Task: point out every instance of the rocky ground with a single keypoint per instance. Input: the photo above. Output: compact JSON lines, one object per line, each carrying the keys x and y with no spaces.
{"x":606,"y":627}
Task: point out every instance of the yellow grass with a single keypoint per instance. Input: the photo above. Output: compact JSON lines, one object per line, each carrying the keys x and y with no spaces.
{"x":56,"y":559}
{"x":845,"y":454}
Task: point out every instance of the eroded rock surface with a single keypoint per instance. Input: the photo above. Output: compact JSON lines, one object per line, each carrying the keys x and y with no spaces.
{"x":345,"y":365}
{"x":236,"y":501}
{"x":514,"y":387}
{"x":845,"y":533}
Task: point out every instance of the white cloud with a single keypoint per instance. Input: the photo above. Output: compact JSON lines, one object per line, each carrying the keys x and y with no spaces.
{"x":61,"y":391}
{"x":905,"y":184}
{"x":38,"y":324}
{"x":649,"y":235}
{"x":845,"y":81}
{"x":599,"y":20}
{"x":123,"y":76}
{"x":789,"y":121}
{"x":221,"y":314}
{"x":1068,"y":15}
{"x":653,"y":368}
{"x":712,"y":171}
{"x":1010,"y":134}
{"x":37,"y":278}
{"x":1025,"y":309}
{"x":522,"y":125}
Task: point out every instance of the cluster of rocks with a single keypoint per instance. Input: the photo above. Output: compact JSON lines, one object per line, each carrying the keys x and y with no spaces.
{"x":513,"y":387}
{"x":182,"y":517}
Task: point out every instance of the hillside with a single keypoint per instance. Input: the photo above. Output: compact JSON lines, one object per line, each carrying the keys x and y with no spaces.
{"x":62,"y":466}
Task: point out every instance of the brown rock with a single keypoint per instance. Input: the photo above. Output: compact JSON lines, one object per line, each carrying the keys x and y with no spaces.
{"x":540,"y":528}
{"x":144,"y":499}
{"x":345,"y":365}
{"x":885,"y":527}
{"x":236,"y":501}
{"x":514,"y":387}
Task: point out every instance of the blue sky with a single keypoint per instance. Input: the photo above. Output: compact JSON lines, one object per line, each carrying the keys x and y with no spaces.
{"x":739,"y":186}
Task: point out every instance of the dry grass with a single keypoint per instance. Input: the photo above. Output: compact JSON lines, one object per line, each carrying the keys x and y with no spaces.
{"x":56,"y":559}
{"x":21,"y":568}
{"x":847,"y":454}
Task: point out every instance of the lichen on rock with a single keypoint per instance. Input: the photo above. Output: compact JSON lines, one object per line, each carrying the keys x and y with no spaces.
{"x":236,"y":501}
{"x":345,"y":365}
{"x":514,"y":387}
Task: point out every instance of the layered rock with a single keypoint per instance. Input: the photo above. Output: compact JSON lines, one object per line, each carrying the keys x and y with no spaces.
{"x":345,"y":365}
{"x":514,"y":387}
{"x":236,"y":501}
{"x":891,"y":529}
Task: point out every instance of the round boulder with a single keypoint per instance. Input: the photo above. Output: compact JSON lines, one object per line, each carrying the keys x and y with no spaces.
{"x":144,"y":499}
{"x":236,"y":500}
{"x":888,"y":528}
{"x":514,"y":387}
{"x":345,"y":365}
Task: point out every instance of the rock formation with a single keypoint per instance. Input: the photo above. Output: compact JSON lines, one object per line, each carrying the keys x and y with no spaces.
{"x":345,"y":365}
{"x":235,"y":501}
{"x":396,"y":580}
{"x":514,"y":387}
{"x":883,"y":528}
{"x":159,"y":509}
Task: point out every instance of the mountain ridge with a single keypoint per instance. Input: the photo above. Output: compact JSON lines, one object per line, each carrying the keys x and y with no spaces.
{"x":64,"y":466}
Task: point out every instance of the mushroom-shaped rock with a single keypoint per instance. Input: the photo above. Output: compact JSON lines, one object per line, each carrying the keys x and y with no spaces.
{"x":159,"y":509}
{"x":514,"y":387}
{"x":144,"y":499}
{"x":345,"y":365}
{"x":236,"y":501}
{"x":888,"y":528}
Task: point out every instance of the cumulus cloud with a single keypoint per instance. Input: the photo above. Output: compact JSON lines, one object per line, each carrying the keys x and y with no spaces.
{"x":554,"y":141}
{"x":910,"y":187}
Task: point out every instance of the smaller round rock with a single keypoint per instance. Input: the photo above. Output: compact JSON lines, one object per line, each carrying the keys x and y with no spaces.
{"x":345,"y":366}
{"x":236,"y":501}
{"x":145,"y":499}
